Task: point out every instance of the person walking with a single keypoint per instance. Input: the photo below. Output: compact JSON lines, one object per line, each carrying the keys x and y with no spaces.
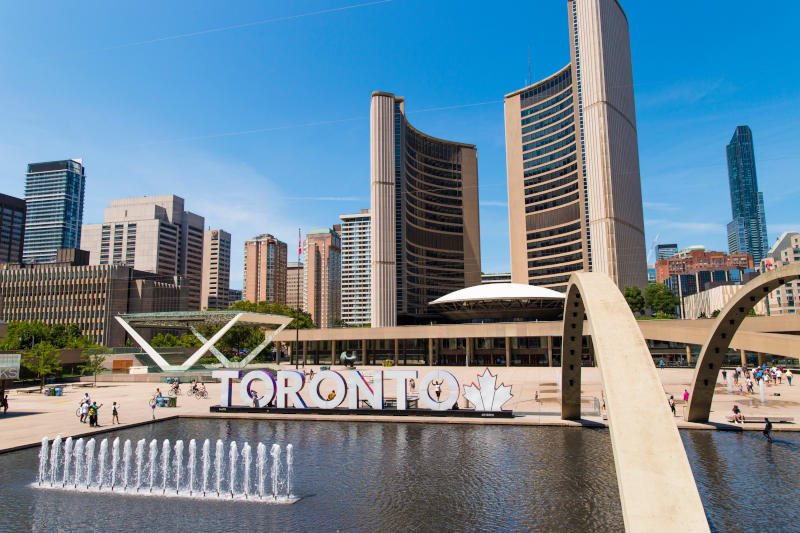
{"x":672,"y":404}
{"x":724,"y":376}
{"x":767,"y":429}
{"x":4,"y":402}
{"x":84,"y":411}
{"x":114,"y":413}
{"x":789,"y":377}
{"x":685,"y":395}
{"x":153,"y":407}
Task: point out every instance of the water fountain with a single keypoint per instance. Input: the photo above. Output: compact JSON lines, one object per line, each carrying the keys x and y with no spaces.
{"x":84,"y":469}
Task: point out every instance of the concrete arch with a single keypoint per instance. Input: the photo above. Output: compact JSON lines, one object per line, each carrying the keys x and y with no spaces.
{"x":656,"y":486}
{"x":719,"y":339}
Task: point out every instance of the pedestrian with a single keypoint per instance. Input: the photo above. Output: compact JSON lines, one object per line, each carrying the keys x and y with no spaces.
{"x":254,"y":395}
{"x":685,"y":395}
{"x":153,"y":407}
{"x":672,"y":404}
{"x":114,"y":414}
{"x":767,"y":429}
{"x":661,"y":364}
{"x":437,"y":389}
{"x":536,"y":396}
{"x":789,"y":377}
{"x":93,"y":412}
{"x":725,"y":376}
{"x":4,"y":401}
{"x":749,"y":386}
{"x":84,"y":411}
{"x":778,"y":376}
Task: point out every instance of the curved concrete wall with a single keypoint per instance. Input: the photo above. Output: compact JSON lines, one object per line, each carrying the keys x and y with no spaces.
{"x":656,"y":485}
{"x":719,"y":339}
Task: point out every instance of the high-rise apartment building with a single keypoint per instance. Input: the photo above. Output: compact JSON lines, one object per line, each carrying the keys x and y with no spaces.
{"x":665,"y":251}
{"x":215,"y":286}
{"x":70,"y":291}
{"x":574,"y":194}
{"x":12,"y":228}
{"x":54,"y":193}
{"x":265,"y":269}
{"x":747,"y":232}
{"x":356,"y":267}
{"x":425,"y":219}
{"x":322,"y":277}
{"x":152,"y":234}
{"x":294,"y":285}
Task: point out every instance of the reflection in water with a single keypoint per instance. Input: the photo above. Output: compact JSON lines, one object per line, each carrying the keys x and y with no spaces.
{"x":399,"y":477}
{"x":743,"y":480}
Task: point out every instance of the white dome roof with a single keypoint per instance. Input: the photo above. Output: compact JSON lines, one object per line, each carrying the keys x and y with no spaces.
{"x":500,"y":291}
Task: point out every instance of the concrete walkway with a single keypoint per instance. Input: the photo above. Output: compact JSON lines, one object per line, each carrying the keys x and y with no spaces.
{"x":32,"y":415}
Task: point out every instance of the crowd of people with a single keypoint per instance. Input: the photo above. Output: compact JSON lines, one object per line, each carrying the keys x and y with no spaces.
{"x":745,"y":379}
{"x":89,"y":410}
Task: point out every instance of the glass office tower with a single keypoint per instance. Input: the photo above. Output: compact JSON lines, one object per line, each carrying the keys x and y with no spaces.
{"x":54,"y":194}
{"x":747,"y":232}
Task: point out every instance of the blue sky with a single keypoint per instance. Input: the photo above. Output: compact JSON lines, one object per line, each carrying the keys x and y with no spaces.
{"x":262,"y":124}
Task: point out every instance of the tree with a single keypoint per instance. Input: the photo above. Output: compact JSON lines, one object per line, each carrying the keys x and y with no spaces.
{"x":660,"y":299}
{"x":275,"y":309}
{"x":43,"y":360}
{"x":633,"y":295}
{"x":93,"y":359}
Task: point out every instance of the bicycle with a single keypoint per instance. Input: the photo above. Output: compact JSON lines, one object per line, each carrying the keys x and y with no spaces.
{"x":198,"y":394}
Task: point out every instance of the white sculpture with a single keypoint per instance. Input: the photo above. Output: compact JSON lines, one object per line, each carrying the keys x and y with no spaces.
{"x":484,"y":396}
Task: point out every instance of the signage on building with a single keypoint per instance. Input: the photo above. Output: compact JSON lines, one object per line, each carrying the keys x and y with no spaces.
{"x":439,"y":390}
{"x":9,"y":365}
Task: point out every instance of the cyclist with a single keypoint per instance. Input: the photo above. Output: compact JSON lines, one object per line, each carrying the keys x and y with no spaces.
{"x":176,"y":387}
{"x":201,"y":388}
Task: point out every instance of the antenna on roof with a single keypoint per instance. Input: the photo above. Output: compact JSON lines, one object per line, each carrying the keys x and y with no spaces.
{"x":530,"y":78}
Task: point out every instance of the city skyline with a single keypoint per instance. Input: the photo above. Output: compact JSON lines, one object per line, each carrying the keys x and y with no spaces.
{"x":165,"y":154}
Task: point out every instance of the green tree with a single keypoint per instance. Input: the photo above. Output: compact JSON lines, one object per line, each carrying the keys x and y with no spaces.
{"x":660,"y":299}
{"x":275,"y":309}
{"x":633,"y":295}
{"x":43,"y":360}
{"x":164,"y":340}
{"x":93,"y":359}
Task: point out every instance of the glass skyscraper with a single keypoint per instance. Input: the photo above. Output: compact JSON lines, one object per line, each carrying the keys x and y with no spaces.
{"x":54,"y":194}
{"x":747,"y":232}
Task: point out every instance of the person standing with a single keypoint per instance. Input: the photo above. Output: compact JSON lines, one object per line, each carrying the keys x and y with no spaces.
{"x":93,"y":411}
{"x":4,"y":401}
{"x":84,"y":411}
{"x":767,"y":429}
{"x":114,"y":414}
{"x":437,"y":389}
{"x":685,"y":395}
{"x":725,"y":376}
{"x":672,"y":404}
{"x":788,"y":378}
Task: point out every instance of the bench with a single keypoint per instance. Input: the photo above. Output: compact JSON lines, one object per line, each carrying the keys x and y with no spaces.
{"x":761,"y":419}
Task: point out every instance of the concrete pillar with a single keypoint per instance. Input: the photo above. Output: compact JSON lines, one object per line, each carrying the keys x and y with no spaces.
{"x":689,"y":354}
{"x":289,"y":348}
{"x":469,"y":354}
{"x":305,"y":352}
{"x":760,"y":358}
{"x":550,"y":350}
{"x":396,"y":351}
{"x":333,"y":353}
{"x":508,"y":351}
{"x":364,"y":352}
{"x":743,"y":355}
{"x":430,"y":352}
{"x":405,"y":353}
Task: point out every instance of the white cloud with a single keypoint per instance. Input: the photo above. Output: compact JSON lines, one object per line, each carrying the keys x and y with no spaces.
{"x":490,"y":203}
{"x":685,"y":225}
{"x":660,"y":206}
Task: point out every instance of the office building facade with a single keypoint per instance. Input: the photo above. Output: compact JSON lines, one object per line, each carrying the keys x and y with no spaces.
{"x":356,"y":267}
{"x":294,"y":285}
{"x":425,"y":219}
{"x":152,"y":234}
{"x":215,"y":286}
{"x":784,"y":300}
{"x":265,"y":269}
{"x":54,"y":194}
{"x":574,"y":193}
{"x":69,"y":291}
{"x":322,"y":277}
{"x":12,"y":228}
{"x":665,"y":251}
{"x":698,"y":259}
{"x":503,"y":277}
{"x":747,"y":232}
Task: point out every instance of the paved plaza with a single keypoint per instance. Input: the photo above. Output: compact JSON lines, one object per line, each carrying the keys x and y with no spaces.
{"x":32,"y":416}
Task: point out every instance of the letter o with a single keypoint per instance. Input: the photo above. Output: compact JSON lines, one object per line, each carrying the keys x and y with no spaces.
{"x":339,"y":387}
{"x":247,"y":395}
{"x":425,"y":394}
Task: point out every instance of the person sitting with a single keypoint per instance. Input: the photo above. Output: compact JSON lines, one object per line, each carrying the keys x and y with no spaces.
{"x":738,"y":416}
{"x":331,"y":395}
